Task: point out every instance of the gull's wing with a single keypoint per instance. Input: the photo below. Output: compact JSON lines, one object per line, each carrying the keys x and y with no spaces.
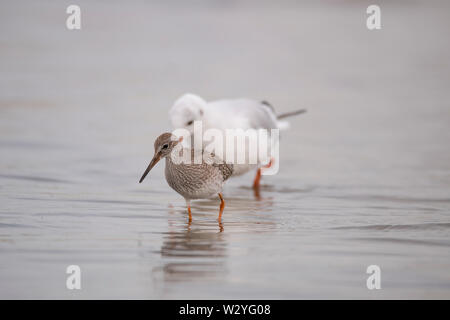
{"x":242,"y":113}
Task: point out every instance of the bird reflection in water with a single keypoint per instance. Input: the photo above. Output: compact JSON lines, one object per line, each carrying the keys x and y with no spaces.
{"x":193,"y":250}
{"x":197,"y":249}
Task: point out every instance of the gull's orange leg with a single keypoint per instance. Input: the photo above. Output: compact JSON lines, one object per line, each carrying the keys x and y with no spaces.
{"x":272,"y":160}
{"x":222,"y":206}
{"x":257,"y":180}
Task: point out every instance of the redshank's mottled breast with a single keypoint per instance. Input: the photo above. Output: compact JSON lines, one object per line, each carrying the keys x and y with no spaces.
{"x":191,"y":180}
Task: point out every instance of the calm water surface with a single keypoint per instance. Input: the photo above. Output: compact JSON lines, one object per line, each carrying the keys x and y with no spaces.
{"x":364,"y":175}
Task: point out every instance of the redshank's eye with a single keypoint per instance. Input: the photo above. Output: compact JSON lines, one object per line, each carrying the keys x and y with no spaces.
{"x":165,"y":146}
{"x":190,"y":122}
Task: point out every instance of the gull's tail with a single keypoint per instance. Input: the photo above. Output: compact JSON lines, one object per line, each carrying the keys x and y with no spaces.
{"x":283,"y":125}
{"x":290,"y":114}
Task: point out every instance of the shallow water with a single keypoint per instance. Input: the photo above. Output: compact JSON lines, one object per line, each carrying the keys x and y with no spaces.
{"x":364,"y":175}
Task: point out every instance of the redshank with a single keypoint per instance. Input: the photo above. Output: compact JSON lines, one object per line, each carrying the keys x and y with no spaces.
{"x":191,"y":180}
{"x":240,"y":113}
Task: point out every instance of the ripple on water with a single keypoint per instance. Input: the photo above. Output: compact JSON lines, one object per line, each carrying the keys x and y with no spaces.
{"x":387,"y":227}
{"x":32,"y":178}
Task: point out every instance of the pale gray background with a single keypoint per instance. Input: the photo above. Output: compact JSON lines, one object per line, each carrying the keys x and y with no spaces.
{"x":364,"y":175}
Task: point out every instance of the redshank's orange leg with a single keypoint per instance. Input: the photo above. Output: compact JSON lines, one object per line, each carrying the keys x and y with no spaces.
{"x":222,"y":206}
{"x":189,"y":211}
{"x":257,"y":180}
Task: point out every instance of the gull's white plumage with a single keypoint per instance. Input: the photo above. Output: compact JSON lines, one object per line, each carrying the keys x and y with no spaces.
{"x":223,"y":114}
{"x":242,"y":113}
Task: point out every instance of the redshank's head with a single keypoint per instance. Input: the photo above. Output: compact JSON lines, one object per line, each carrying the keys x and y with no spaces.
{"x":164,"y":145}
{"x":187,"y":109}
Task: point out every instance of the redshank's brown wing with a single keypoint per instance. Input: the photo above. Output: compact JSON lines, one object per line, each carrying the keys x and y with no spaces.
{"x":225,"y":168}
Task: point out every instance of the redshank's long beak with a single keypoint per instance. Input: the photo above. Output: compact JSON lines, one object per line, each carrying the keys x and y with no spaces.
{"x":154,"y":161}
